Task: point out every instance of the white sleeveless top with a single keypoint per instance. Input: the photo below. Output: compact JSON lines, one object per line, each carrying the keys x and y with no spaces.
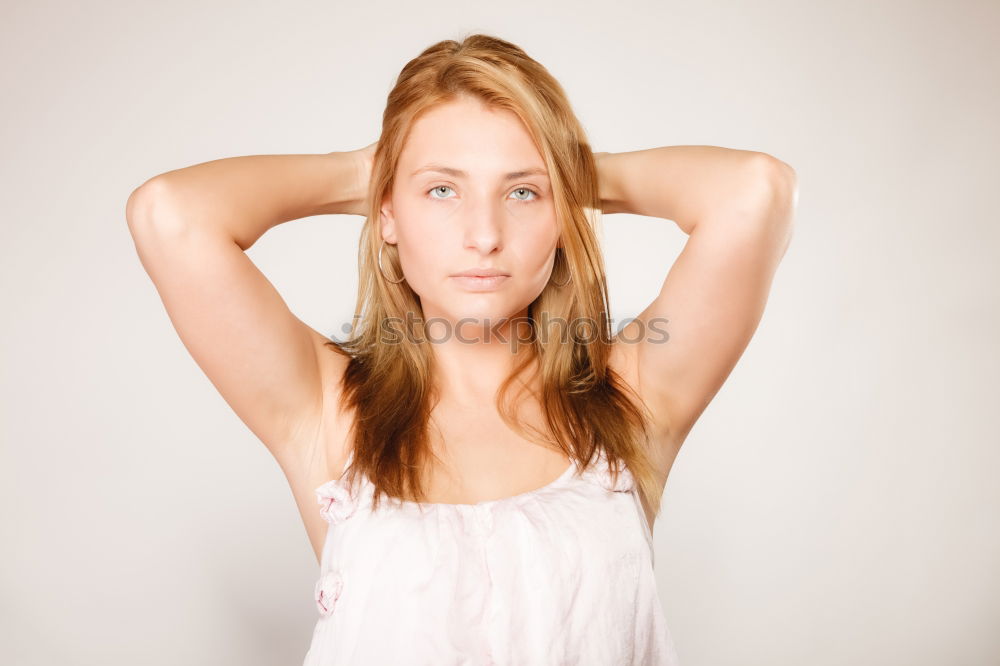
{"x":558,"y":575}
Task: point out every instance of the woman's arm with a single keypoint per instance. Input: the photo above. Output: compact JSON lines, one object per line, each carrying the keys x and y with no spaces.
{"x":242,"y":197}
{"x":679,"y":183}
{"x":191,"y":227}
{"x":737,"y":208}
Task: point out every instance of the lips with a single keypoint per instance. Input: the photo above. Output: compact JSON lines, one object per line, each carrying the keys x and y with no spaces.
{"x":480,"y":282}
{"x":482,"y":272}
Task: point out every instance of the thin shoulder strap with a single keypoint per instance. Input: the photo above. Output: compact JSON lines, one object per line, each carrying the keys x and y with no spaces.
{"x":347,"y":463}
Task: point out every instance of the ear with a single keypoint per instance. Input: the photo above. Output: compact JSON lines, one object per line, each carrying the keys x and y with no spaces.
{"x":387,"y":222}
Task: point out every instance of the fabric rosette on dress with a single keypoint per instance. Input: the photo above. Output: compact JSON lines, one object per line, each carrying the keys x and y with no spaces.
{"x":336,"y":504}
{"x":328,"y":589}
{"x":336,"y":501}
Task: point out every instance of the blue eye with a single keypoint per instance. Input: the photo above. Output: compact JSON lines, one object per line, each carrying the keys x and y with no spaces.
{"x":525,"y":189}
{"x":519,"y":189}
{"x":438,"y":187}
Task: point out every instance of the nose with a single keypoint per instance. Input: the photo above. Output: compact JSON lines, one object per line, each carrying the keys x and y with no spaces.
{"x":483,"y":228}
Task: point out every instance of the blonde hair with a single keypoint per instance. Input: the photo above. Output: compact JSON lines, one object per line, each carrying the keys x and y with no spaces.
{"x":389,"y":387}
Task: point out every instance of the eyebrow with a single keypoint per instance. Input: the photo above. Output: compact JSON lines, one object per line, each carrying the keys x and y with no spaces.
{"x":458,"y":173}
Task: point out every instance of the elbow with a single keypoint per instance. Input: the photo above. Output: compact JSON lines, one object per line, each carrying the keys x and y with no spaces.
{"x":784,"y":181}
{"x":781,"y":178}
{"x":138,"y":206}
{"x":770,"y":197}
{"x":774,"y":190}
{"x":148,"y":205}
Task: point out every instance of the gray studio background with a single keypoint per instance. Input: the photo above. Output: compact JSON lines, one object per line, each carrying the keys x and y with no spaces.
{"x":836,"y":503}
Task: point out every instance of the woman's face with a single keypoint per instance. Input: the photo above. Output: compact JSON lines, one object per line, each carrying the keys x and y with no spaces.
{"x":471,"y":192}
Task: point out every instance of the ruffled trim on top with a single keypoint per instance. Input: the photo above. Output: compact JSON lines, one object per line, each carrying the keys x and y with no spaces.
{"x":600,"y":471}
{"x":337,"y":502}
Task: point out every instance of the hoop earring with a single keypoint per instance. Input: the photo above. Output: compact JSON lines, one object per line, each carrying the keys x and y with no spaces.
{"x":382,"y":270}
{"x":562,"y":284}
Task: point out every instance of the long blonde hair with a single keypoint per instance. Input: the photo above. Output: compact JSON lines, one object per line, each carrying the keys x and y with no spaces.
{"x":389,"y":387}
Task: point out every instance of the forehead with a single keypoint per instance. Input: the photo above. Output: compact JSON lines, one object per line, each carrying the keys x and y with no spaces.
{"x":467,"y":135}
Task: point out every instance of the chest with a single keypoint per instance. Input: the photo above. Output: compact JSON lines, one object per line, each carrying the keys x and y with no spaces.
{"x":478,"y":457}
{"x":567,"y":570}
{"x":576,"y":523}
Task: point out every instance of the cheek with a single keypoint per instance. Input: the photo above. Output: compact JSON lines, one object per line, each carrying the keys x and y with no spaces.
{"x":541,"y":220}
{"x":424,"y":256}
{"x":429,"y":235}
{"x":538,"y":235}
{"x":418,"y":257}
{"x":425,"y":227}
{"x":538,"y":215}
{"x":534,"y":260}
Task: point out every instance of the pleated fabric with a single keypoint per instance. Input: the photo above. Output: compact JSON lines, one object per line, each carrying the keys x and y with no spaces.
{"x":559,"y":575}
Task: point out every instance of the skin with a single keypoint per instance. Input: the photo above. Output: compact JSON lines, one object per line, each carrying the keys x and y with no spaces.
{"x":191,"y":228}
{"x":443,"y":224}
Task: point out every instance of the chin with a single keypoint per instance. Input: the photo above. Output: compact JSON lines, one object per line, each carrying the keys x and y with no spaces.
{"x":479,"y":309}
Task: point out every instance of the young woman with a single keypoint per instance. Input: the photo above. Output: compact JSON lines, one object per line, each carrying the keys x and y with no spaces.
{"x":487,"y":453}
